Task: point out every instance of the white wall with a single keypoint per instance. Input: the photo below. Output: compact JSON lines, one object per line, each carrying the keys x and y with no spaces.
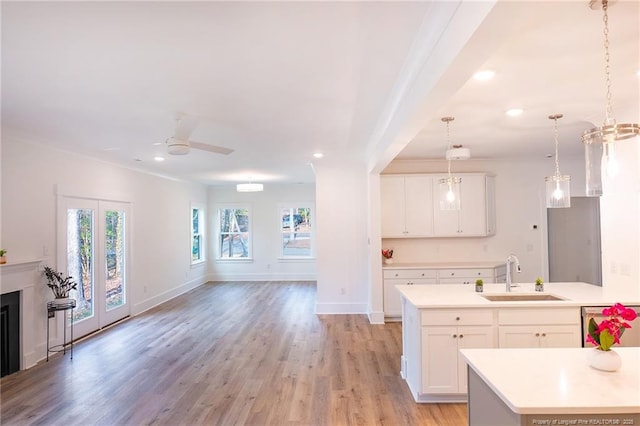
{"x":160,"y":243}
{"x":520,"y":203}
{"x":265,"y":227}
{"x":620,"y":221}
{"x":342,"y":203}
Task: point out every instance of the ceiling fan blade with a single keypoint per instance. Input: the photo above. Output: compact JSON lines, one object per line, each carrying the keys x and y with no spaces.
{"x":211,"y":148}
{"x":185,"y":125}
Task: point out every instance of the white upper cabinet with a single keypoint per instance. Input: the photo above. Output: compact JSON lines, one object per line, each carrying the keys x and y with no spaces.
{"x":476,"y":215}
{"x":406,"y":206}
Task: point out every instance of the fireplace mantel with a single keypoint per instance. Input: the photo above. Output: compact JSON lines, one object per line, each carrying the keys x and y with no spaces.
{"x":23,"y":276}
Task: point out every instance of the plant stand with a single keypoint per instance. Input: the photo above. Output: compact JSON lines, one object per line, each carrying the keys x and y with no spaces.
{"x":52,"y":308}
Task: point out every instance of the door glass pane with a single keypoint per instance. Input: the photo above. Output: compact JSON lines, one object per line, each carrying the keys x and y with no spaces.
{"x":80,"y":260}
{"x":114,"y":259}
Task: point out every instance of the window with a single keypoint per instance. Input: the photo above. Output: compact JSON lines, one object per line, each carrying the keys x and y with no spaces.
{"x":197,"y":234}
{"x":234,"y":233}
{"x":296,"y":231}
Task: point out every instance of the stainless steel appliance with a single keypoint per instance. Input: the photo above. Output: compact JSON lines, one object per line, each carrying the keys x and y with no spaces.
{"x":630,"y":337}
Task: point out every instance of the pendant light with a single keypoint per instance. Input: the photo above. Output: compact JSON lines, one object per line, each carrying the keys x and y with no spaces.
{"x":449,"y":186}
{"x":558,"y":186}
{"x":598,"y":142}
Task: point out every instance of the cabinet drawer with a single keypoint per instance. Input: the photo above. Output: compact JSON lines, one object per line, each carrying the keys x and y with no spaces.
{"x":460,"y":280}
{"x":410,"y":273}
{"x":457,"y":317}
{"x":466,"y":273}
{"x":539,"y":316}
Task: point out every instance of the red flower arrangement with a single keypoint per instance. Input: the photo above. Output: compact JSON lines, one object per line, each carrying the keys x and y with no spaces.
{"x":387,"y":253}
{"x":608,"y":332}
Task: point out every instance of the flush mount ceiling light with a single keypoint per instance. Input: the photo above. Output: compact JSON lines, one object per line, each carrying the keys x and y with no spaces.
{"x":484,"y":75}
{"x":598,"y":142}
{"x":514,"y":112}
{"x":249,"y":187}
{"x":558,"y":186}
{"x":449,"y":186}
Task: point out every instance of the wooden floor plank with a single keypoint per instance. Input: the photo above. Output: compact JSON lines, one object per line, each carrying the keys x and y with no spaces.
{"x":245,"y":353}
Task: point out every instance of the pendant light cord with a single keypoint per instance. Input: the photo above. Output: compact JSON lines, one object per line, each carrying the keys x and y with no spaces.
{"x":607,"y":69}
{"x":555,"y":133}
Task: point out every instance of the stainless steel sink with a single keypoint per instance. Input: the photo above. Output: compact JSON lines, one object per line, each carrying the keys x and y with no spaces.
{"x":520,"y":297}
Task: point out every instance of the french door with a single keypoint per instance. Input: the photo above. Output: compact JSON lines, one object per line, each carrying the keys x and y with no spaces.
{"x":93,"y":249}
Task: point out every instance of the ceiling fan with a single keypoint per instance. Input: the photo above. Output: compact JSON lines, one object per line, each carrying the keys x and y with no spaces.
{"x":179,"y":143}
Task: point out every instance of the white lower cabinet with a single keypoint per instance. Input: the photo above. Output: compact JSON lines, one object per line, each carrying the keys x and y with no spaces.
{"x":432,"y":338}
{"x":393,"y":277}
{"x":444,"y":370}
{"x":444,"y":332}
{"x":543,"y":336}
{"x":539,"y":328}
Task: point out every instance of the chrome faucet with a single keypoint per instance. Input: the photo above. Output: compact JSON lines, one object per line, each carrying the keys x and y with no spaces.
{"x":512,"y":258}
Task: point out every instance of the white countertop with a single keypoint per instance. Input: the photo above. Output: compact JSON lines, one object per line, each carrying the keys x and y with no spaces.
{"x":464,"y":295}
{"x":558,"y":380}
{"x":444,"y":265}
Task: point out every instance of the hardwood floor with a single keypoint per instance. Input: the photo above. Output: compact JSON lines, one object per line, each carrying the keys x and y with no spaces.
{"x":250,"y":353}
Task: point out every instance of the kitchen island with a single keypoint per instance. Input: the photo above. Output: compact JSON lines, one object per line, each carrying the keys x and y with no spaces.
{"x":439,"y":321}
{"x":551,"y":386}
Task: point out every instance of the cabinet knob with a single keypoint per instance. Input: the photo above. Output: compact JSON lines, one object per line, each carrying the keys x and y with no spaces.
{"x":457,"y":318}
{"x":422,"y":274}
{"x":461,"y":336}
{"x":396,"y":275}
{"x":544,"y":334}
{"x":454,"y":336}
{"x":537,"y":334}
{"x":453,"y":273}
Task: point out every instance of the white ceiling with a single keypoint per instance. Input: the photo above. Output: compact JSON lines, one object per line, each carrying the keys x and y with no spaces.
{"x":278,"y":81}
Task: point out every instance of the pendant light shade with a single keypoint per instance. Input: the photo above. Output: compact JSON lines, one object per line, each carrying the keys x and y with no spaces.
{"x":599,"y":142}
{"x":449,"y":186}
{"x":558,"y":186}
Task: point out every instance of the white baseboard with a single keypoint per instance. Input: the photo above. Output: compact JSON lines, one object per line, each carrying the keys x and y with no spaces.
{"x":167,"y":295}
{"x":230,"y":276}
{"x":376,"y":317}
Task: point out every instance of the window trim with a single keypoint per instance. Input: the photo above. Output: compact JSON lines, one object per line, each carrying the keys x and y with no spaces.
{"x":202,"y":228}
{"x":312,"y":232}
{"x":218,"y":233}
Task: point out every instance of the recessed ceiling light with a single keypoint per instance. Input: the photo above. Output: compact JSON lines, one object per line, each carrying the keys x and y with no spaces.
{"x":484,"y":75}
{"x":158,"y":158}
{"x":318,"y":155}
{"x":514,"y":112}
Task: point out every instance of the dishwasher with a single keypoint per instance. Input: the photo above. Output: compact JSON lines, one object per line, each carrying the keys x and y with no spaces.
{"x":630,"y":337}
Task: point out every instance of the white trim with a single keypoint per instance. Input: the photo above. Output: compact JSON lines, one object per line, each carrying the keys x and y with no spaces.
{"x":261,"y":276}
{"x":161,"y":298}
{"x":376,"y":317}
{"x":202,"y":227}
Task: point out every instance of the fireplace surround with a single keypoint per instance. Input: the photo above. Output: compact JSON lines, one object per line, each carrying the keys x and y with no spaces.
{"x":25,"y":277}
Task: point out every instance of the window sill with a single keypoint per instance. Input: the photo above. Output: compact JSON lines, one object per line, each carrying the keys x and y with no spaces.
{"x":293,"y":259}
{"x":235,"y":260}
{"x":198,"y":264}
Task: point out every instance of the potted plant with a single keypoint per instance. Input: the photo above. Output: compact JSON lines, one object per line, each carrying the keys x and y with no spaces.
{"x":479,"y":285}
{"x":3,"y":258}
{"x":59,"y":285}
{"x":388,"y":256}
{"x":539,"y":284}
